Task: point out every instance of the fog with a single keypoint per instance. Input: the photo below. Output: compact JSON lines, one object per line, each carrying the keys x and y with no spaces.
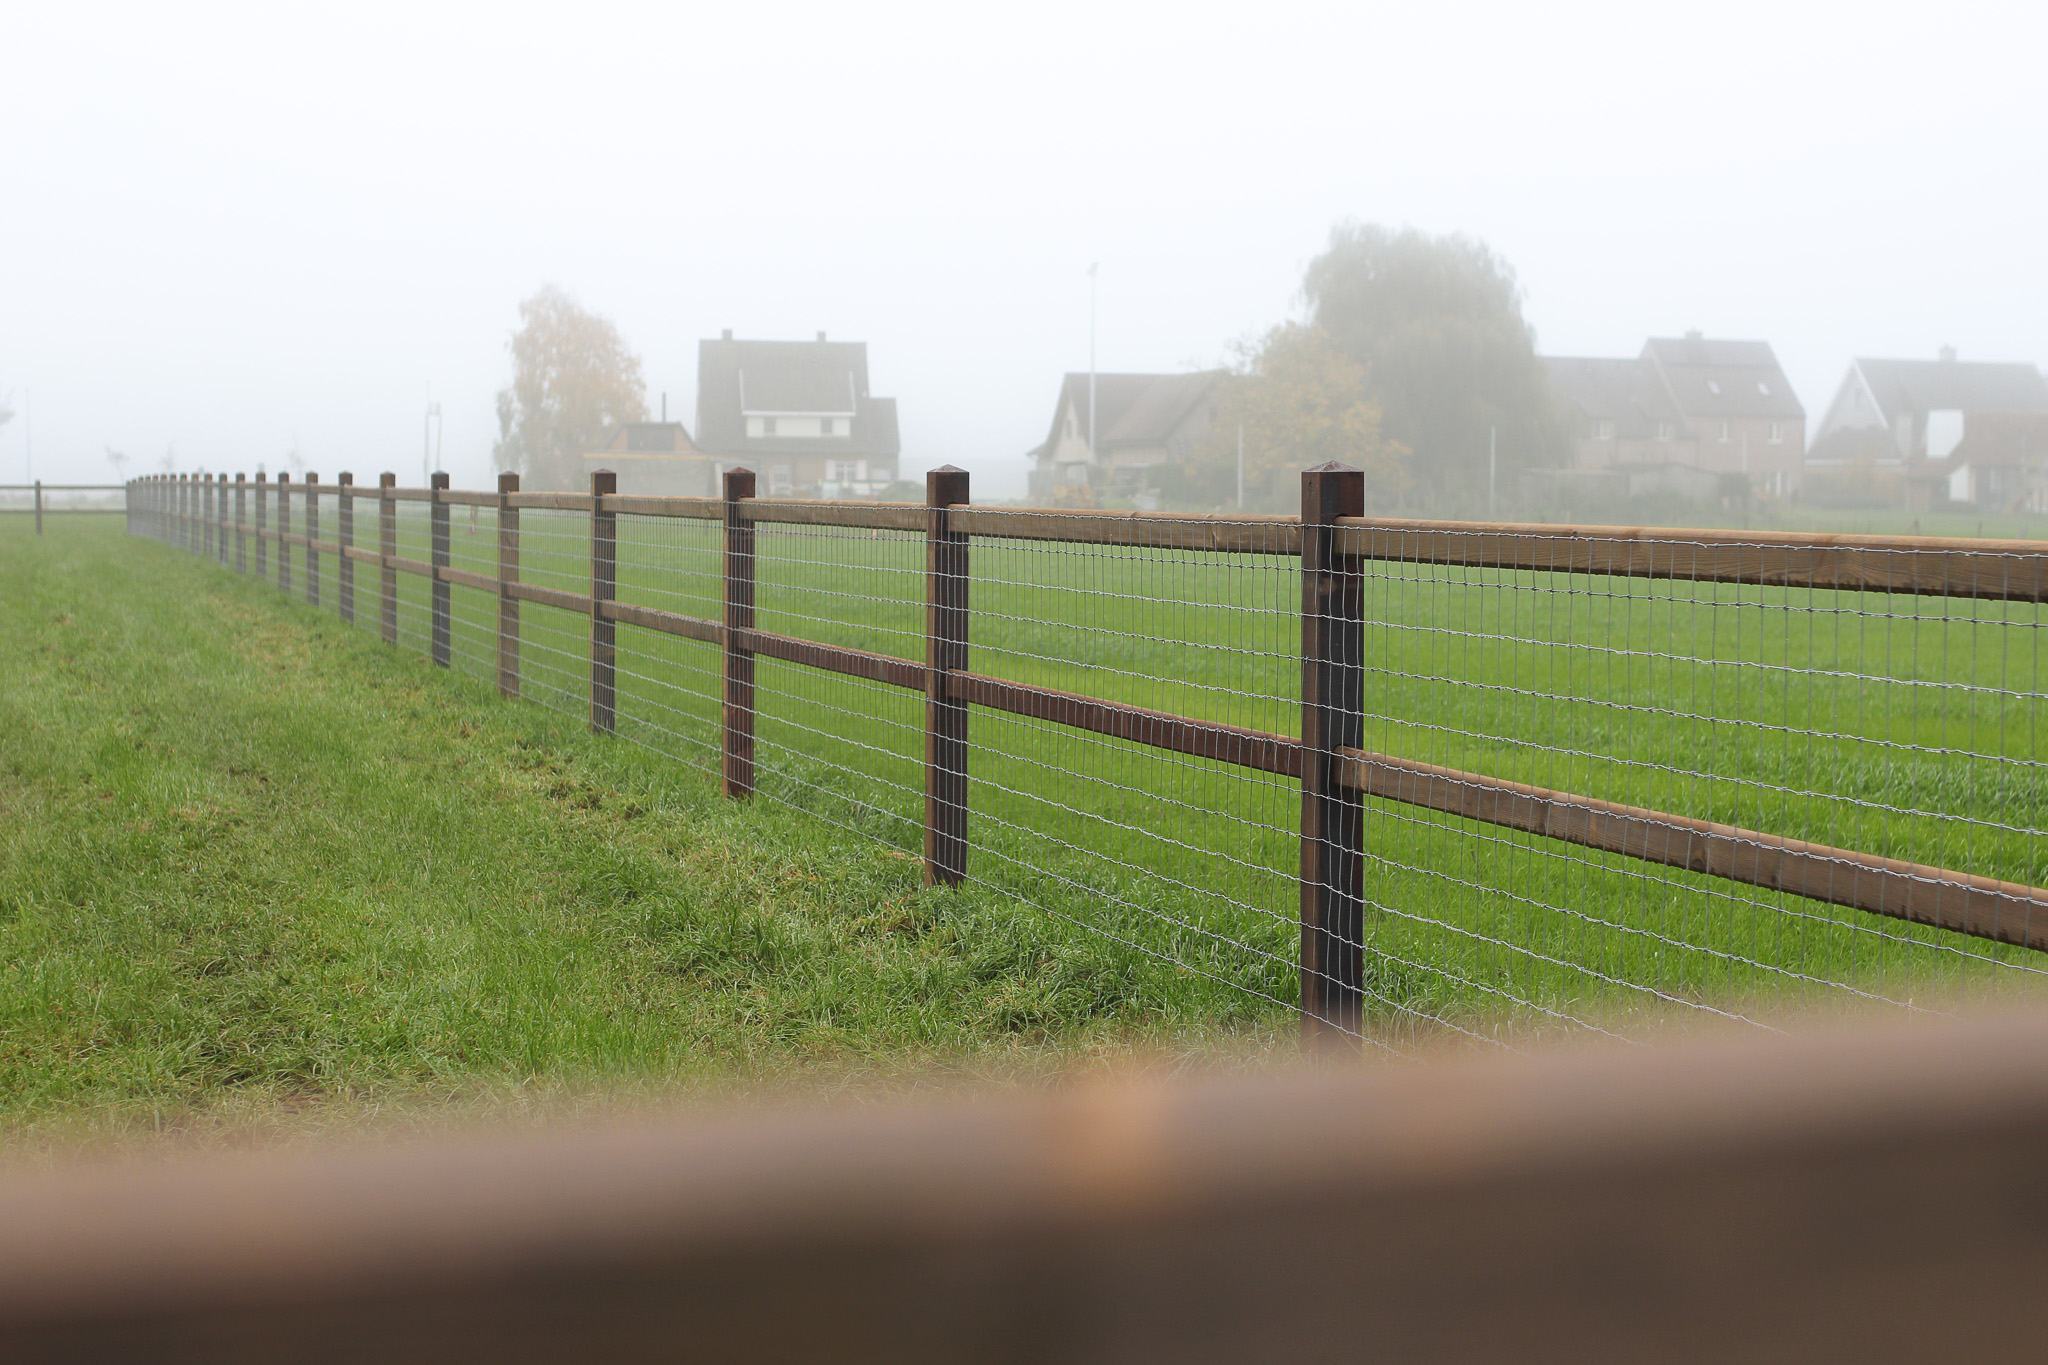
{"x":228,"y":233}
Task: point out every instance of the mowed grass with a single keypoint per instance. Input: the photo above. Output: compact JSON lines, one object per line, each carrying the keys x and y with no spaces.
{"x":1906,"y":727}
{"x":256,"y":865}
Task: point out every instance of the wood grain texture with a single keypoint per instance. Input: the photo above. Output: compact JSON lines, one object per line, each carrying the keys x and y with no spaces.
{"x":1867,"y":1197}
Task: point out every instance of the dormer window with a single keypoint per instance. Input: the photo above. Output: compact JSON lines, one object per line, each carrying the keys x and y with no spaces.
{"x":1763,"y":388}
{"x":1714,"y":387}
{"x":825,"y":427}
{"x":767,"y":426}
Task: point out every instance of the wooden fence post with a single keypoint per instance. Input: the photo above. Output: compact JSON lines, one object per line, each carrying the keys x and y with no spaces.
{"x":262,"y":541}
{"x":439,"y":523}
{"x":39,"y":506}
{"x":182,"y":539}
{"x":387,"y":549}
{"x":737,"y":750}
{"x":508,"y":575}
{"x":215,"y":485}
{"x":604,"y":586}
{"x":284,"y":529}
{"x":345,"y":541}
{"x":312,"y":534}
{"x":220,"y":521}
{"x":945,"y":649}
{"x":241,"y":509}
{"x":1332,"y":716}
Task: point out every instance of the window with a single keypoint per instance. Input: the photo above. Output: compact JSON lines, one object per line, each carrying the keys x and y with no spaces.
{"x":825,"y":426}
{"x":1603,"y":430}
{"x":843,"y":471}
{"x":1724,"y":433}
{"x":767,"y":426}
{"x":1763,"y":388}
{"x":1777,"y":431}
{"x":1663,"y":431}
{"x":779,"y":481}
{"x":1714,"y":387}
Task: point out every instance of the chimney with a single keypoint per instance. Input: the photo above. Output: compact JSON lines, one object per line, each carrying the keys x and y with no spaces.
{"x":821,"y":336}
{"x":1948,"y":355}
{"x":1693,"y":335}
{"x":726,"y":335}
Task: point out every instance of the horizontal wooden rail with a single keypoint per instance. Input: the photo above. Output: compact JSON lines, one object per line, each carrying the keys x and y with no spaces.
{"x":1236,"y":534}
{"x":2008,"y":912}
{"x":1232,"y":744}
{"x":1866,"y":1197}
{"x":578,"y":602}
{"x":2013,"y":570}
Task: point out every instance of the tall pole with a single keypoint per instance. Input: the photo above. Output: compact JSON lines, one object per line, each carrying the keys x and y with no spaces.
{"x":1091,"y":370}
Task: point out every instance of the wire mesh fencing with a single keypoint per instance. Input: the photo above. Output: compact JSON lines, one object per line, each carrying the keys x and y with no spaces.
{"x":1418,"y":781}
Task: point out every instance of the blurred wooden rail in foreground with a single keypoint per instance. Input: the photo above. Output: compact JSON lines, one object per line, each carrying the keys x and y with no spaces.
{"x":1853,"y":1197}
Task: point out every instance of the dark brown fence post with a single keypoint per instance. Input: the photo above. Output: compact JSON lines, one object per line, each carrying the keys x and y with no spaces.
{"x":183,"y":540}
{"x":945,"y":650}
{"x":284,"y":529}
{"x":312,"y":534}
{"x":508,"y":574}
{"x":220,"y":524}
{"x":439,"y":524}
{"x":738,"y":747}
{"x":345,"y":541}
{"x":604,"y":586}
{"x":39,"y":506}
{"x":387,"y":549}
{"x":205,"y":491}
{"x":1332,"y":717}
{"x":262,"y":513}
{"x":241,"y":511}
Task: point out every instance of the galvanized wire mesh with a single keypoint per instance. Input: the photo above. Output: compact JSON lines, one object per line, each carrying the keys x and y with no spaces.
{"x":1902,"y":725}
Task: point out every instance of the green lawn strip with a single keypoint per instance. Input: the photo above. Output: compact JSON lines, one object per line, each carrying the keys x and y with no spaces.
{"x":252,"y":858}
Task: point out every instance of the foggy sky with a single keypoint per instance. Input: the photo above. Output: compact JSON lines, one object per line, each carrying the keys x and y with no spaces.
{"x":231,"y":230}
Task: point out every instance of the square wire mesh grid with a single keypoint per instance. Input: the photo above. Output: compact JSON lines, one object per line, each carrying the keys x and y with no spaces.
{"x":1899,"y":725}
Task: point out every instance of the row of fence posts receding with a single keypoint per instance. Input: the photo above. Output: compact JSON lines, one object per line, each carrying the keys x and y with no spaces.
{"x":194,"y":511}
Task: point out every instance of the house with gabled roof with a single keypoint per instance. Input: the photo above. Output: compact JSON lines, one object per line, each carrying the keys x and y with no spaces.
{"x":1697,"y":407}
{"x":1918,"y":418}
{"x":656,"y":459}
{"x":799,"y":414}
{"x":1141,"y":422}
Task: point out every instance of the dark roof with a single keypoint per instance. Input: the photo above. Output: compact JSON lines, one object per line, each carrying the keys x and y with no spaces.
{"x":828,"y":378}
{"x":1135,"y":409}
{"x":1624,"y":392}
{"x":665,"y":438}
{"x":1708,"y":378}
{"x":1918,"y":386}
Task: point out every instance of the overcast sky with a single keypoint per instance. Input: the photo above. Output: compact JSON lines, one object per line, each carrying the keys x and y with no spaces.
{"x":232,"y":231}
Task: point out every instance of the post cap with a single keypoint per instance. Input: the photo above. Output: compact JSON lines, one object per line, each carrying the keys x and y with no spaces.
{"x":508,"y":483}
{"x":439,"y":480}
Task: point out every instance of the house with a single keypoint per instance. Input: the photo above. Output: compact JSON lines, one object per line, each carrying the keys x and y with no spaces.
{"x":1141,"y":421}
{"x":799,"y":414}
{"x":1918,"y":418}
{"x":1715,"y":407}
{"x":654,"y":458}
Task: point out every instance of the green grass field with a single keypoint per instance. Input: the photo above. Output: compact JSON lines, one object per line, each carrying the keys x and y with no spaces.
{"x":1905,"y":727}
{"x":259,"y":870}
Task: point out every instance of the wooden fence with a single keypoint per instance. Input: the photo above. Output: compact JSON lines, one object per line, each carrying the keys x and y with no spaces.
{"x":39,"y":502}
{"x":1871,"y":1197}
{"x":234,"y":522}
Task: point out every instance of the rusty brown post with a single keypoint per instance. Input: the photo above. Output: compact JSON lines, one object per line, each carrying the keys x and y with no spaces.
{"x":604,"y":586}
{"x":284,"y":530}
{"x":738,"y":746}
{"x":262,"y":515}
{"x":312,"y":534}
{"x":241,"y":515}
{"x":438,"y":522}
{"x":945,"y":651}
{"x":508,"y":576}
{"x":387,"y":550}
{"x":1332,"y":717}
{"x":345,"y":541}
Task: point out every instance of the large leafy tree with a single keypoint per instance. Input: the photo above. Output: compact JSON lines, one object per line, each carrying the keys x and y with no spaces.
{"x":1298,"y":400}
{"x":1437,"y":322}
{"x":572,"y":380}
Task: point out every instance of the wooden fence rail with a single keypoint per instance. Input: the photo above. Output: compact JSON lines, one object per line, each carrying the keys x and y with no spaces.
{"x":1332,"y":543}
{"x":1871,"y":1197}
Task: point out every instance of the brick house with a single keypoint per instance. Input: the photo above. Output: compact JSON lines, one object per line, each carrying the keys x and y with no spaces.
{"x":1697,"y":407}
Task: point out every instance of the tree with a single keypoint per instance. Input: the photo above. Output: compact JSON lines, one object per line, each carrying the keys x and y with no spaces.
{"x":572,"y":380}
{"x":1438,"y":323}
{"x":1299,"y":401}
{"x":117,"y":459}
